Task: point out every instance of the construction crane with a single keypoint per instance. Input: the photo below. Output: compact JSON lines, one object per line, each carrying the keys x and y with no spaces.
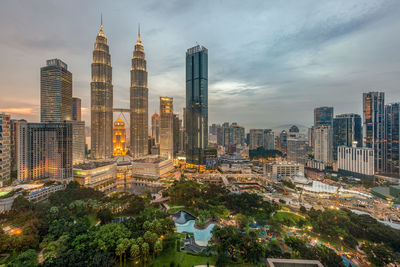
{"x":337,"y":196}
{"x":390,"y":202}
{"x":283,"y":188}
{"x":300,"y":199}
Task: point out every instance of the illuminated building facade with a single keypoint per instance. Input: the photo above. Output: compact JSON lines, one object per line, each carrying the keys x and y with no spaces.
{"x":78,"y":141}
{"x":139,"y":102}
{"x":119,"y":138}
{"x":101,"y":106}
{"x":155,"y":127}
{"x":13,"y":144}
{"x":100,"y":176}
{"x":44,"y":151}
{"x":374,"y":126}
{"x":5,"y":148}
{"x":76,"y":109}
{"x":196,"y":113}
{"x":55,"y":92}
{"x":166,"y":127}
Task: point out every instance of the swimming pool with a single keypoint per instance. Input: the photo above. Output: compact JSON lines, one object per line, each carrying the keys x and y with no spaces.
{"x":201,"y":237}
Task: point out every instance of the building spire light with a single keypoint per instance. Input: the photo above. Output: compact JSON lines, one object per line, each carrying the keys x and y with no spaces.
{"x":138,"y":40}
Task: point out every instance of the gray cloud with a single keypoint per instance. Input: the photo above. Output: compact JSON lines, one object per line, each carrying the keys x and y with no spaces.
{"x":270,"y":62}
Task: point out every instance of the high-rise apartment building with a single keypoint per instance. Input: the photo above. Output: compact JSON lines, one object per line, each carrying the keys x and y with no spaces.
{"x":101,"y":106}
{"x":374,"y":126}
{"x":283,"y":140}
{"x":392,"y":137}
{"x":269,"y":139}
{"x":76,"y":109}
{"x":296,"y":149}
{"x":155,"y":127}
{"x":13,"y":144}
{"x":323,"y":116}
{"x":256,"y":138}
{"x":139,"y":102}
{"x":44,"y":151}
{"x":55,"y":91}
{"x":196,"y":120}
{"x":166,"y":127}
{"x":176,"y":133}
{"x":5,"y":148}
{"x":323,"y":144}
{"x":346,"y":130}
{"x":229,"y":135}
{"x":119,"y":138}
{"x":78,"y":141}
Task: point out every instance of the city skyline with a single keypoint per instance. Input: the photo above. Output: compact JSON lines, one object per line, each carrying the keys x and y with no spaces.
{"x":315,"y":54}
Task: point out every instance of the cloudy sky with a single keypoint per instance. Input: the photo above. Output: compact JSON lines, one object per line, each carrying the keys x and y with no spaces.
{"x":270,"y":62}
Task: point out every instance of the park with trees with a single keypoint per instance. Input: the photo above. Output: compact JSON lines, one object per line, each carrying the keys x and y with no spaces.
{"x":83,"y":227}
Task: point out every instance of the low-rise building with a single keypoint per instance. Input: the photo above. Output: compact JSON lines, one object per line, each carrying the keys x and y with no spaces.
{"x":293,"y":263}
{"x":356,"y":161}
{"x":32,"y":192}
{"x":97,"y":175}
{"x":282,"y":169}
{"x":152,"y":168}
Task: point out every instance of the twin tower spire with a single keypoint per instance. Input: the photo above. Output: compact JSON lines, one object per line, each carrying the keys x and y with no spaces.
{"x":102,"y":100}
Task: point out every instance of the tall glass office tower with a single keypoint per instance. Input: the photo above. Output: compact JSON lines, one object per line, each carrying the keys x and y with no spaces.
{"x":55,"y":92}
{"x":139,"y":102}
{"x":374,"y":126}
{"x":101,"y":99}
{"x":196,"y":121}
{"x":346,"y":130}
{"x":166,"y":127}
{"x":392,"y":137}
{"x":323,"y":116}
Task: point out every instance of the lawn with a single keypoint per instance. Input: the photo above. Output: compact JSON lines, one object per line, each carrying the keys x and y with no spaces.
{"x":286,"y":216}
{"x":182,"y":258}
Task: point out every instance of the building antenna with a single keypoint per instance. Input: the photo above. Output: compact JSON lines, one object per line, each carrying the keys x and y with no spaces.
{"x":101,"y":20}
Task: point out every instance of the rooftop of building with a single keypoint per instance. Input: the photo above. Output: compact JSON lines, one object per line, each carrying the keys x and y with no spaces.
{"x":93,"y":165}
{"x":149,"y":160}
{"x":293,"y":263}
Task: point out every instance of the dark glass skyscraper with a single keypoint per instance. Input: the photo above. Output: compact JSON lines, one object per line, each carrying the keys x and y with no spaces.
{"x":323,"y":116}
{"x":101,"y":106}
{"x":139,"y":102}
{"x":346,"y":129}
{"x":374,"y":126}
{"x":392,"y":137}
{"x":196,"y":104}
{"x":55,"y":92}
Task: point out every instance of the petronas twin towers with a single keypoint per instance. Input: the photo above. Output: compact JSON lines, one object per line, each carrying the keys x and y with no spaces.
{"x":102,"y":101}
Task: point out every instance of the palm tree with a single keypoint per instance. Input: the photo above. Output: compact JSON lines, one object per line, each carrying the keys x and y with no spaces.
{"x":126,"y":243}
{"x":145,"y":251}
{"x":135,"y":252}
{"x":158,"y":247}
{"x":119,"y":251}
